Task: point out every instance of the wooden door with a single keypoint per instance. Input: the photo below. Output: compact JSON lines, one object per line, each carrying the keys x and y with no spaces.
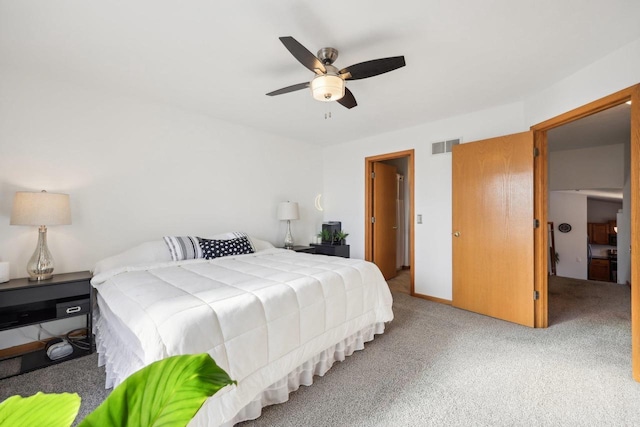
{"x":384,"y":212}
{"x":493,"y":228}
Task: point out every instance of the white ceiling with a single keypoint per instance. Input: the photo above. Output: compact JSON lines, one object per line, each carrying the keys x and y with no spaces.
{"x":608,"y":127}
{"x":219,"y":58}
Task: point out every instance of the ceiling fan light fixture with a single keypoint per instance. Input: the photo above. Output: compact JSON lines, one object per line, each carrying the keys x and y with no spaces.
{"x":327,"y":88}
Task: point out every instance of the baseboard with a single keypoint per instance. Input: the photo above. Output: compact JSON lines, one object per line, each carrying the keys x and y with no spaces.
{"x":434,"y":299}
{"x":405,"y":267}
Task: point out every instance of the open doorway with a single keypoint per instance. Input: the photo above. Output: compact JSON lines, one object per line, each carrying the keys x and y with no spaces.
{"x":541,"y":204}
{"x":389,"y":209}
{"x":589,"y":171}
{"x":589,"y":168}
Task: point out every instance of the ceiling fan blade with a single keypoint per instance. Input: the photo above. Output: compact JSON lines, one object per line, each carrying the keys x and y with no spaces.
{"x":288,"y":89}
{"x":372,"y":68}
{"x":303,"y":55}
{"x":348,"y":100}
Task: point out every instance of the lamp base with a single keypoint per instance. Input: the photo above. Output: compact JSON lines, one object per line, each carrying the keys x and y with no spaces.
{"x":288,"y":239}
{"x":39,"y":277}
{"x":40,"y":265}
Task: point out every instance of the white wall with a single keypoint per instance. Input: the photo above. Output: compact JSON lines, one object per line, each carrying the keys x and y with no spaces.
{"x":587,"y":168}
{"x":344,"y":175}
{"x":602,"y":210}
{"x":572,"y":246}
{"x":136,"y":171}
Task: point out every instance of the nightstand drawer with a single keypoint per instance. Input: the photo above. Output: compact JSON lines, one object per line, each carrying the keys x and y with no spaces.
{"x":72,"y":308}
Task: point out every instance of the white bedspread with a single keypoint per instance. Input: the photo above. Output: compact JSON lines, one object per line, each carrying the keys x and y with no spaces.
{"x":259,"y":316}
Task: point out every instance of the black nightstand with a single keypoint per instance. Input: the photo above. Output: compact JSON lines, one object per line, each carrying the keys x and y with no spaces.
{"x":333,"y":250}
{"x":24,"y":303}
{"x":304,"y":249}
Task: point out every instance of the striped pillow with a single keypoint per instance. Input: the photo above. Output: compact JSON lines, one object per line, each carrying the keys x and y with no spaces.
{"x":183,"y":247}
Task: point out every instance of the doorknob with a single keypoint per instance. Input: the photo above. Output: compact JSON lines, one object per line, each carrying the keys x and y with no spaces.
{"x":456,"y":234}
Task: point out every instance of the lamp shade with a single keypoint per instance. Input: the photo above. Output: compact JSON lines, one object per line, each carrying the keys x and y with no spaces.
{"x":288,"y":210}
{"x":31,"y":208}
{"x":327,"y":88}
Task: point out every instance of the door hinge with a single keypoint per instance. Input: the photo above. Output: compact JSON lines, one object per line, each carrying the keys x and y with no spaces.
{"x":373,"y":175}
{"x":536,"y":152}
{"x":373,"y":220}
{"x":536,"y":295}
{"x":536,"y":223}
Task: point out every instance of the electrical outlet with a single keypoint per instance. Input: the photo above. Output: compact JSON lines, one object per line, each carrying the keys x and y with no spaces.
{"x":419,"y":218}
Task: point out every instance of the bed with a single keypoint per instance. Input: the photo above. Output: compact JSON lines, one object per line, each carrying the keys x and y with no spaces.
{"x":272,"y":318}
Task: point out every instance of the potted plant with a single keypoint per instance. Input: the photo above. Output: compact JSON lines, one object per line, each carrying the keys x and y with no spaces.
{"x":339,"y":237}
{"x":325,"y":236}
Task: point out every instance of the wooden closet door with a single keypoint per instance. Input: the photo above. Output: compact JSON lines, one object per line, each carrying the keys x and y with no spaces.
{"x":385,"y":227}
{"x":493,"y":225}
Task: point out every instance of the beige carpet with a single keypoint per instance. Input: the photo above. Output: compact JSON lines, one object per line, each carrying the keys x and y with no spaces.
{"x":439,"y":366}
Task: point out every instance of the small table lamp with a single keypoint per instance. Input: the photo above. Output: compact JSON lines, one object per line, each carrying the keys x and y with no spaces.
{"x":40,"y":209}
{"x":288,"y":211}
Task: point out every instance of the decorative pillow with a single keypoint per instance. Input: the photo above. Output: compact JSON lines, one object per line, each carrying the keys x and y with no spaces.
{"x":219,"y":248}
{"x":183,"y":247}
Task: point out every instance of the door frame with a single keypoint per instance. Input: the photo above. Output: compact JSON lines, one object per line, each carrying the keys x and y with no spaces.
{"x":368,"y":206}
{"x":541,"y":205}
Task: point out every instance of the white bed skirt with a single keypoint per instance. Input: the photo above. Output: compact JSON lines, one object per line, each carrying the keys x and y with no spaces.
{"x":303,"y":374}
{"x":115,"y":354}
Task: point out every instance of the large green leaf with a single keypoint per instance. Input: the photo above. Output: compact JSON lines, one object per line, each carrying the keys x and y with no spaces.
{"x":51,"y":410}
{"x":166,"y":393}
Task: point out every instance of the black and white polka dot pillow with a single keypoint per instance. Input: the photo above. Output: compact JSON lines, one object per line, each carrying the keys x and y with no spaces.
{"x":219,"y":248}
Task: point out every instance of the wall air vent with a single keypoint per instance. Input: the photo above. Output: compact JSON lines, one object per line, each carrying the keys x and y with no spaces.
{"x":437,"y":147}
{"x":444,"y":146}
{"x":448,"y":145}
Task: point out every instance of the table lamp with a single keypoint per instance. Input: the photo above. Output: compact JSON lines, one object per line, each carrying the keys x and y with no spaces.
{"x":41,"y":209}
{"x":288,"y":211}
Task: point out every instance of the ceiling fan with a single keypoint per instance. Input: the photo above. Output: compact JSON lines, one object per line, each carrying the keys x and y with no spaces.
{"x":329,"y":83}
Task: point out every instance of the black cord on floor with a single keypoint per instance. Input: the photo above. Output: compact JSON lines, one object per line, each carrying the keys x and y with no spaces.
{"x":78,"y":341}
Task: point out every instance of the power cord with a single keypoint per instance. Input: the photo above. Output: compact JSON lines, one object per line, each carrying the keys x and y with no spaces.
{"x":75,"y":337}
{"x":77,"y":340}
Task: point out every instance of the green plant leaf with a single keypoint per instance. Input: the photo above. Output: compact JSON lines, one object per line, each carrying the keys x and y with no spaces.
{"x":53,"y":410}
{"x":165,"y":393}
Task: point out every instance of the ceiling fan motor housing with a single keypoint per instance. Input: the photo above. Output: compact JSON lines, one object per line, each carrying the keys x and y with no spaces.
{"x":328,"y":55}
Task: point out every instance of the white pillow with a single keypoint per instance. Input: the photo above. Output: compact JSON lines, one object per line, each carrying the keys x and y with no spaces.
{"x":260,"y":245}
{"x":148,"y":252}
{"x":157,"y":251}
